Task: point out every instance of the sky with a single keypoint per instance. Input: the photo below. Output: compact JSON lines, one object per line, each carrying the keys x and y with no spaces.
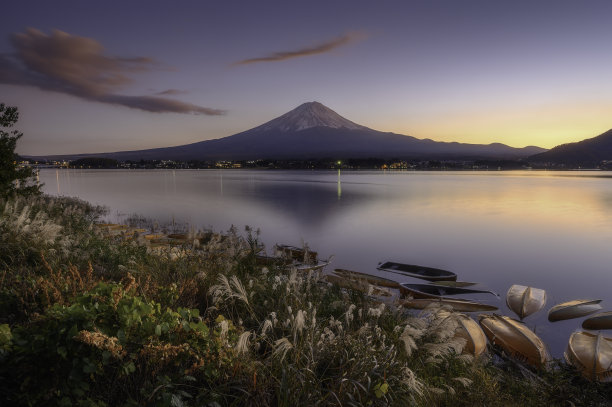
{"x":99,"y":76}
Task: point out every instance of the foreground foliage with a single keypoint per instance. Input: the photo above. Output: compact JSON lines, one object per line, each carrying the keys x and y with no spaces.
{"x":93,"y":318}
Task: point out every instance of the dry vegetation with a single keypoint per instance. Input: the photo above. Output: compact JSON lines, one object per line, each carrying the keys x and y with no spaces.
{"x":90,"y":317}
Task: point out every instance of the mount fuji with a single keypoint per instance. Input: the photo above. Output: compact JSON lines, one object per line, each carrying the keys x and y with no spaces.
{"x":313,"y":131}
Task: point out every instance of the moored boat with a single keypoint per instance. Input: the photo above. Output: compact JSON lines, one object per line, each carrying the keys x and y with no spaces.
{"x":372,"y":279}
{"x":468,"y":329}
{"x":453,"y":283}
{"x":424,"y":273}
{"x":514,"y":338}
{"x":437,"y":292}
{"x":599,"y":321}
{"x":357,"y":285}
{"x":573,"y":309}
{"x":591,"y":354}
{"x":457,"y":304}
{"x":524,"y":300}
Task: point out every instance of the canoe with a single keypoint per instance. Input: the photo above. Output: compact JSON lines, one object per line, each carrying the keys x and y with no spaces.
{"x":295,"y":253}
{"x":591,"y":354}
{"x":458,"y":304}
{"x":357,"y":285}
{"x":598,"y":322}
{"x":433,"y":291}
{"x":424,"y":273}
{"x":514,"y":338}
{"x":468,"y":329}
{"x":154,"y":236}
{"x":573,"y":309}
{"x":384,"y":282}
{"x":316,"y":265}
{"x":453,"y":283}
{"x":524,"y":300}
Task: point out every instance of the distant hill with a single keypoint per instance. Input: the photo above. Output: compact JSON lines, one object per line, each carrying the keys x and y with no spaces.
{"x":586,"y":153}
{"x":313,"y":130}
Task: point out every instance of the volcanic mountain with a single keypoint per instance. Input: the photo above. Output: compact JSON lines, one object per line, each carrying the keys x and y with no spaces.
{"x":312,"y":131}
{"x":586,"y":153}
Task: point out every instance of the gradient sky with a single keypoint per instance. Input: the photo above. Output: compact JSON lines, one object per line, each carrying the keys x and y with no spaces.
{"x":94,"y":76}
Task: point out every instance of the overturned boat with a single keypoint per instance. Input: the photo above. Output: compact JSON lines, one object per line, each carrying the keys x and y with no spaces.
{"x":598,"y":322}
{"x":371,"y":279}
{"x":573,"y":309}
{"x":514,"y":338}
{"x":436,"y":292}
{"x":456,"y":304}
{"x":424,"y":273}
{"x":524,"y":300}
{"x":591,"y":354}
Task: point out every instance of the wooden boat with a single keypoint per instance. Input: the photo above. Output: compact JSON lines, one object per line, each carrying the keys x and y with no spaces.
{"x":524,"y":300}
{"x":317,"y":265}
{"x":468,"y":329}
{"x":457,"y":304}
{"x":263,"y":260}
{"x":357,"y":285}
{"x":381,"y":281}
{"x":437,"y":292}
{"x":296,"y":253}
{"x":154,"y":236}
{"x":573,"y":309}
{"x":598,"y":322}
{"x":424,"y":273}
{"x":453,"y":283}
{"x":514,"y":338}
{"x":591,"y":354}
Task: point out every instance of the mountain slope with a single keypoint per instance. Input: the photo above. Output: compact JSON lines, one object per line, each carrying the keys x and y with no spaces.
{"x":312,"y":130}
{"x":585,"y":153}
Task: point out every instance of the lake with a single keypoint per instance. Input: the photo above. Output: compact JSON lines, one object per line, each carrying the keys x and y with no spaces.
{"x":550,"y":230}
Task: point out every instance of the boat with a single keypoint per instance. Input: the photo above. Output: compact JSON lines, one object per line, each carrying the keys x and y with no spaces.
{"x":598,"y":322}
{"x":316,"y":265}
{"x":296,"y":253}
{"x":453,"y":283}
{"x":515,"y":338}
{"x":437,"y":292}
{"x":357,"y":285}
{"x":372,"y":279}
{"x":468,"y":329}
{"x":457,"y":304}
{"x":591,"y":354}
{"x":573,"y":309}
{"x":524,"y":300}
{"x":424,"y":273}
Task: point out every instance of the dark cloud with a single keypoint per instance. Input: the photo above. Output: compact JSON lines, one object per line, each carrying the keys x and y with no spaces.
{"x":77,"y":66}
{"x":317,"y":49}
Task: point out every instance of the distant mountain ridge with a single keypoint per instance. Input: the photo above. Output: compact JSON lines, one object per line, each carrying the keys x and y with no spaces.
{"x":313,"y":131}
{"x":586,"y":153}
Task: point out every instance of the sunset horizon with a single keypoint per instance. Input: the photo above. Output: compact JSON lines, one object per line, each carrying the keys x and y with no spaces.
{"x":86,"y":80}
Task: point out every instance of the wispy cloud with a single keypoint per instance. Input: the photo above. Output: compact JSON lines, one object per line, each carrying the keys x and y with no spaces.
{"x":65,"y":63}
{"x":171,"y":92}
{"x":302,"y":52}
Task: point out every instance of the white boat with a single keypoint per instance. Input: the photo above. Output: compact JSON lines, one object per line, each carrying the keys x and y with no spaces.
{"x":524,"y":300}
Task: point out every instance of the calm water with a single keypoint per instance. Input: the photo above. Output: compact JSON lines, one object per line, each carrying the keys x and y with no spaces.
{"x":551,"y":230}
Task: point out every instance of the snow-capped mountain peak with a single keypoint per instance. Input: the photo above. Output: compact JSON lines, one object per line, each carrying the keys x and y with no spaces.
{"x":308,"y":115}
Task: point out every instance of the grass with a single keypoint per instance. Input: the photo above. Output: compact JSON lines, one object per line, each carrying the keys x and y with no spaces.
{"x":89,"y":317}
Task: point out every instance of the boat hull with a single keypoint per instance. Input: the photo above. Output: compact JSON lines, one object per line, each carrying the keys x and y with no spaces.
{"x":591,"y":354}
{"x":599,"y":321}
{"x":424,"y":273}
{"x":524,"y":300}
{"x":573,"y":309}
{"x":515,"y":338}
